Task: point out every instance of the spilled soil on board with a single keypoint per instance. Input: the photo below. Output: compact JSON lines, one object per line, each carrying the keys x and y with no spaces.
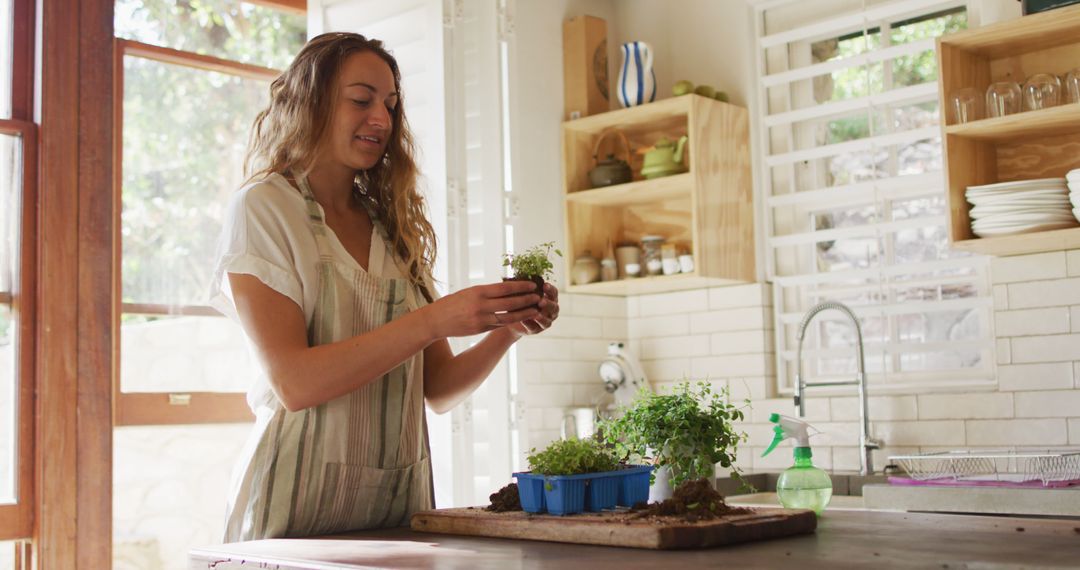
{"x":505,"y":500}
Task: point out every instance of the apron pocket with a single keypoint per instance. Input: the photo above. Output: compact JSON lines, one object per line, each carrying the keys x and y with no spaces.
{"x":357,"y":497}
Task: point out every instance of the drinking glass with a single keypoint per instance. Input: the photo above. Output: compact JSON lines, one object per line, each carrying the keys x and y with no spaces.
{"x":1042,"y":91}
{"x":1002,"y":98}
{"x":1072,"y":86}
{"x":966,"y":106}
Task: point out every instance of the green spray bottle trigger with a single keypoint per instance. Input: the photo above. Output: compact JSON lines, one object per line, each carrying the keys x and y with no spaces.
{"x":802,"y":486}
{"x":790,"y":427}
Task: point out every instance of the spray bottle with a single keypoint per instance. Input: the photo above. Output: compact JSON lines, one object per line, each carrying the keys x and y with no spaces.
{"x":801,"y":486}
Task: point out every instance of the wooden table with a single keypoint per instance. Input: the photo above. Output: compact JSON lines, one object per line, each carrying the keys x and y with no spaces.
{"x":844,"y":539}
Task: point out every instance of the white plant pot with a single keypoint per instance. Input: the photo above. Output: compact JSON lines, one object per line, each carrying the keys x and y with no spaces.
{"x":661,"y":489}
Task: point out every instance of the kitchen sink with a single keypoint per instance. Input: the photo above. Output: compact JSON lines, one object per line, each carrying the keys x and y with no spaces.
{"x":853,"y":491}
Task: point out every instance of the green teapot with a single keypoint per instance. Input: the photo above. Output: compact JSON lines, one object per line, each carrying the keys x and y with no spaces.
{"x":665,"y":159}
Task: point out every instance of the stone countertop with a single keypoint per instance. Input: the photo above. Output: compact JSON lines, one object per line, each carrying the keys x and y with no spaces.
{"x":844,"y":539}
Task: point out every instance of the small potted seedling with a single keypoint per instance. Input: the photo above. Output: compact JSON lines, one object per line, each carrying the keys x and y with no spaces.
{"x":573,"y":475}
{"x":532,"y":265}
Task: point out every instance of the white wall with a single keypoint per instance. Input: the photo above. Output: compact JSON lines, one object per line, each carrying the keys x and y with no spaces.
{"x":536,"y":112}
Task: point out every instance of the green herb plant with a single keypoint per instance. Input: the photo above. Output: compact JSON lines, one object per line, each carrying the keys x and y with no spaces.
{"x":690,"y":430}
{"x":532,"y":262}
{"x":572,"y":457}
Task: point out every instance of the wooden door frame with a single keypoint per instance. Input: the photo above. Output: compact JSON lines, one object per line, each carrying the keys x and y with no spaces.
{"x":73,"y":509}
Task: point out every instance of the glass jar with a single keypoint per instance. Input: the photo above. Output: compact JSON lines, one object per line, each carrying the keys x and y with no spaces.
{"x":651,"y":254}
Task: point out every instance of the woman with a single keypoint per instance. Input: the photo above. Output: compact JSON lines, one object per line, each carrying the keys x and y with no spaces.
{"x":326,"y":261}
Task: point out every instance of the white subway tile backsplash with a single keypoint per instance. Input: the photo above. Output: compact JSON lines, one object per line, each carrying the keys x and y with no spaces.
{"x":1001,"y":297}
{"x":1076,"y":374}
{"x":1053,"y":348}
{"x":592,"y":350}
{"x":542,"y":347}
{"x":615,"y":329}
{"x":835,"y":433}
{"x":591,"y":394}
{"x":674,"y":346}
{"x":663,"y":325}
{"x":1074,"y":431}
{"x":1004,"y":351}
{"x":1044,"y":293}
{"x":1028,"y":267}
{"x":741,"y":342}
{"x":552,"y":418}
{"x":1072,"y":262}
{"x":753,"y":319}
{"x":548,"y":395}
{"x":599,"y":306}
{"x":569,"y":326}
{"x":677,"y":302}
{"x":1074,"y":318}
{"x":1016,"y":432}
{"x":881,"y":408}
{"x":965,"y":406}
{"x":666,"y":369}
{"x":844,"y":458}
{"x":1054,"y":320}
{"x":1048,"y":404}
{"x":756,"y":389}
{"x":738,"y":296}
{"x":817,"y":410}
{"x":633,"y":307}
{"x":734,"y":365}
{"x":1049,"y":376}
{"x":922,"y":433}
{"x":568,"y":371}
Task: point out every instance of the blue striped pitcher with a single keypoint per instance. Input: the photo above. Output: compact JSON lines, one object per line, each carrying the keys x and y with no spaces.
{"x":637,"y":82}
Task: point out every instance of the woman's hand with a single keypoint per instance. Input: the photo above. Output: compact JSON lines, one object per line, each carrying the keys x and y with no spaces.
{"x":549,"y":311}
{"x":483,"y":308}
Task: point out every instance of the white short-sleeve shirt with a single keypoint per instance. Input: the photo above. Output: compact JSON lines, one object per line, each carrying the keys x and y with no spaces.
{"x":266,"y":234}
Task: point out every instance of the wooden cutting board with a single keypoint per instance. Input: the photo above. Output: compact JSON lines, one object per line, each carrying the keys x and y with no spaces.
{"x":614,"y":528}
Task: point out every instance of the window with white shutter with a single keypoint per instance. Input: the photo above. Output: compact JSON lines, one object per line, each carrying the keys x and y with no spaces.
{"x":851,"y":177}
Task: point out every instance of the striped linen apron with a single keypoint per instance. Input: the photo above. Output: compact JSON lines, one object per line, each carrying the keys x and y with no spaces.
{"x":359,"y":461}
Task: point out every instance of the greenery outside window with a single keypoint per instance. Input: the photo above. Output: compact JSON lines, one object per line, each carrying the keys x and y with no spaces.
{"x":193,"y":77}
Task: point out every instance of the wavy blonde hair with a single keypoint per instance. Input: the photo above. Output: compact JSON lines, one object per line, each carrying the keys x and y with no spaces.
{"x":286,"y":137}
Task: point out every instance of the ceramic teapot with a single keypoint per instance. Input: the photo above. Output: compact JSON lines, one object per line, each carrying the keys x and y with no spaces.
{"x":665,"y":159}
{"x":611,"y":170}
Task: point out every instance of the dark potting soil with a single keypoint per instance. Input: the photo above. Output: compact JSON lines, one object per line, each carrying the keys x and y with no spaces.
{"x":692,"y":501}
{"x":505,"y":500}
{"x":539,"y":281}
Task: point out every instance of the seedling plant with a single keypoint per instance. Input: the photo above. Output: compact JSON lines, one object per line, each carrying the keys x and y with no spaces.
{"x":690,"y":430}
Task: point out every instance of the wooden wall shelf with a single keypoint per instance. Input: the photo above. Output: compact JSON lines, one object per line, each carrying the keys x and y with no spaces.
{"x":1028,"y":145}
{"x":708,"y":210}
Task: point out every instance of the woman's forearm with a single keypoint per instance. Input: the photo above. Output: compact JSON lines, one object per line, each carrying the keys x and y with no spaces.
{"x":450,"y":379}
{"x":310,"y":376}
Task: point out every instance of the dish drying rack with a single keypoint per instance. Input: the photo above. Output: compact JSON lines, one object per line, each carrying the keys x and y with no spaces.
{"x":1046,"y":467}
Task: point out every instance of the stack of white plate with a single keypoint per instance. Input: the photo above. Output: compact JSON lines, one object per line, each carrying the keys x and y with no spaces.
{"x":1023,"y":206}
{"x":1073,"y":178}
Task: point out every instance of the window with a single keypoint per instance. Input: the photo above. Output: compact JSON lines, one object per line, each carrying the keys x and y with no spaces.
{"x":194,"y":76}
{"x":18,"y":191}
{"x":854,"y":194}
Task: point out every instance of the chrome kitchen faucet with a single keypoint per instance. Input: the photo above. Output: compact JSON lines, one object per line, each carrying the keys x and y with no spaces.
{"x":866,"y":443}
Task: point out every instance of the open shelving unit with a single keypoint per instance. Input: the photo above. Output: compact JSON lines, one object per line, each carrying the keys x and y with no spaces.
{"x":708,"y":210}
{"x":1028,"y":145}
